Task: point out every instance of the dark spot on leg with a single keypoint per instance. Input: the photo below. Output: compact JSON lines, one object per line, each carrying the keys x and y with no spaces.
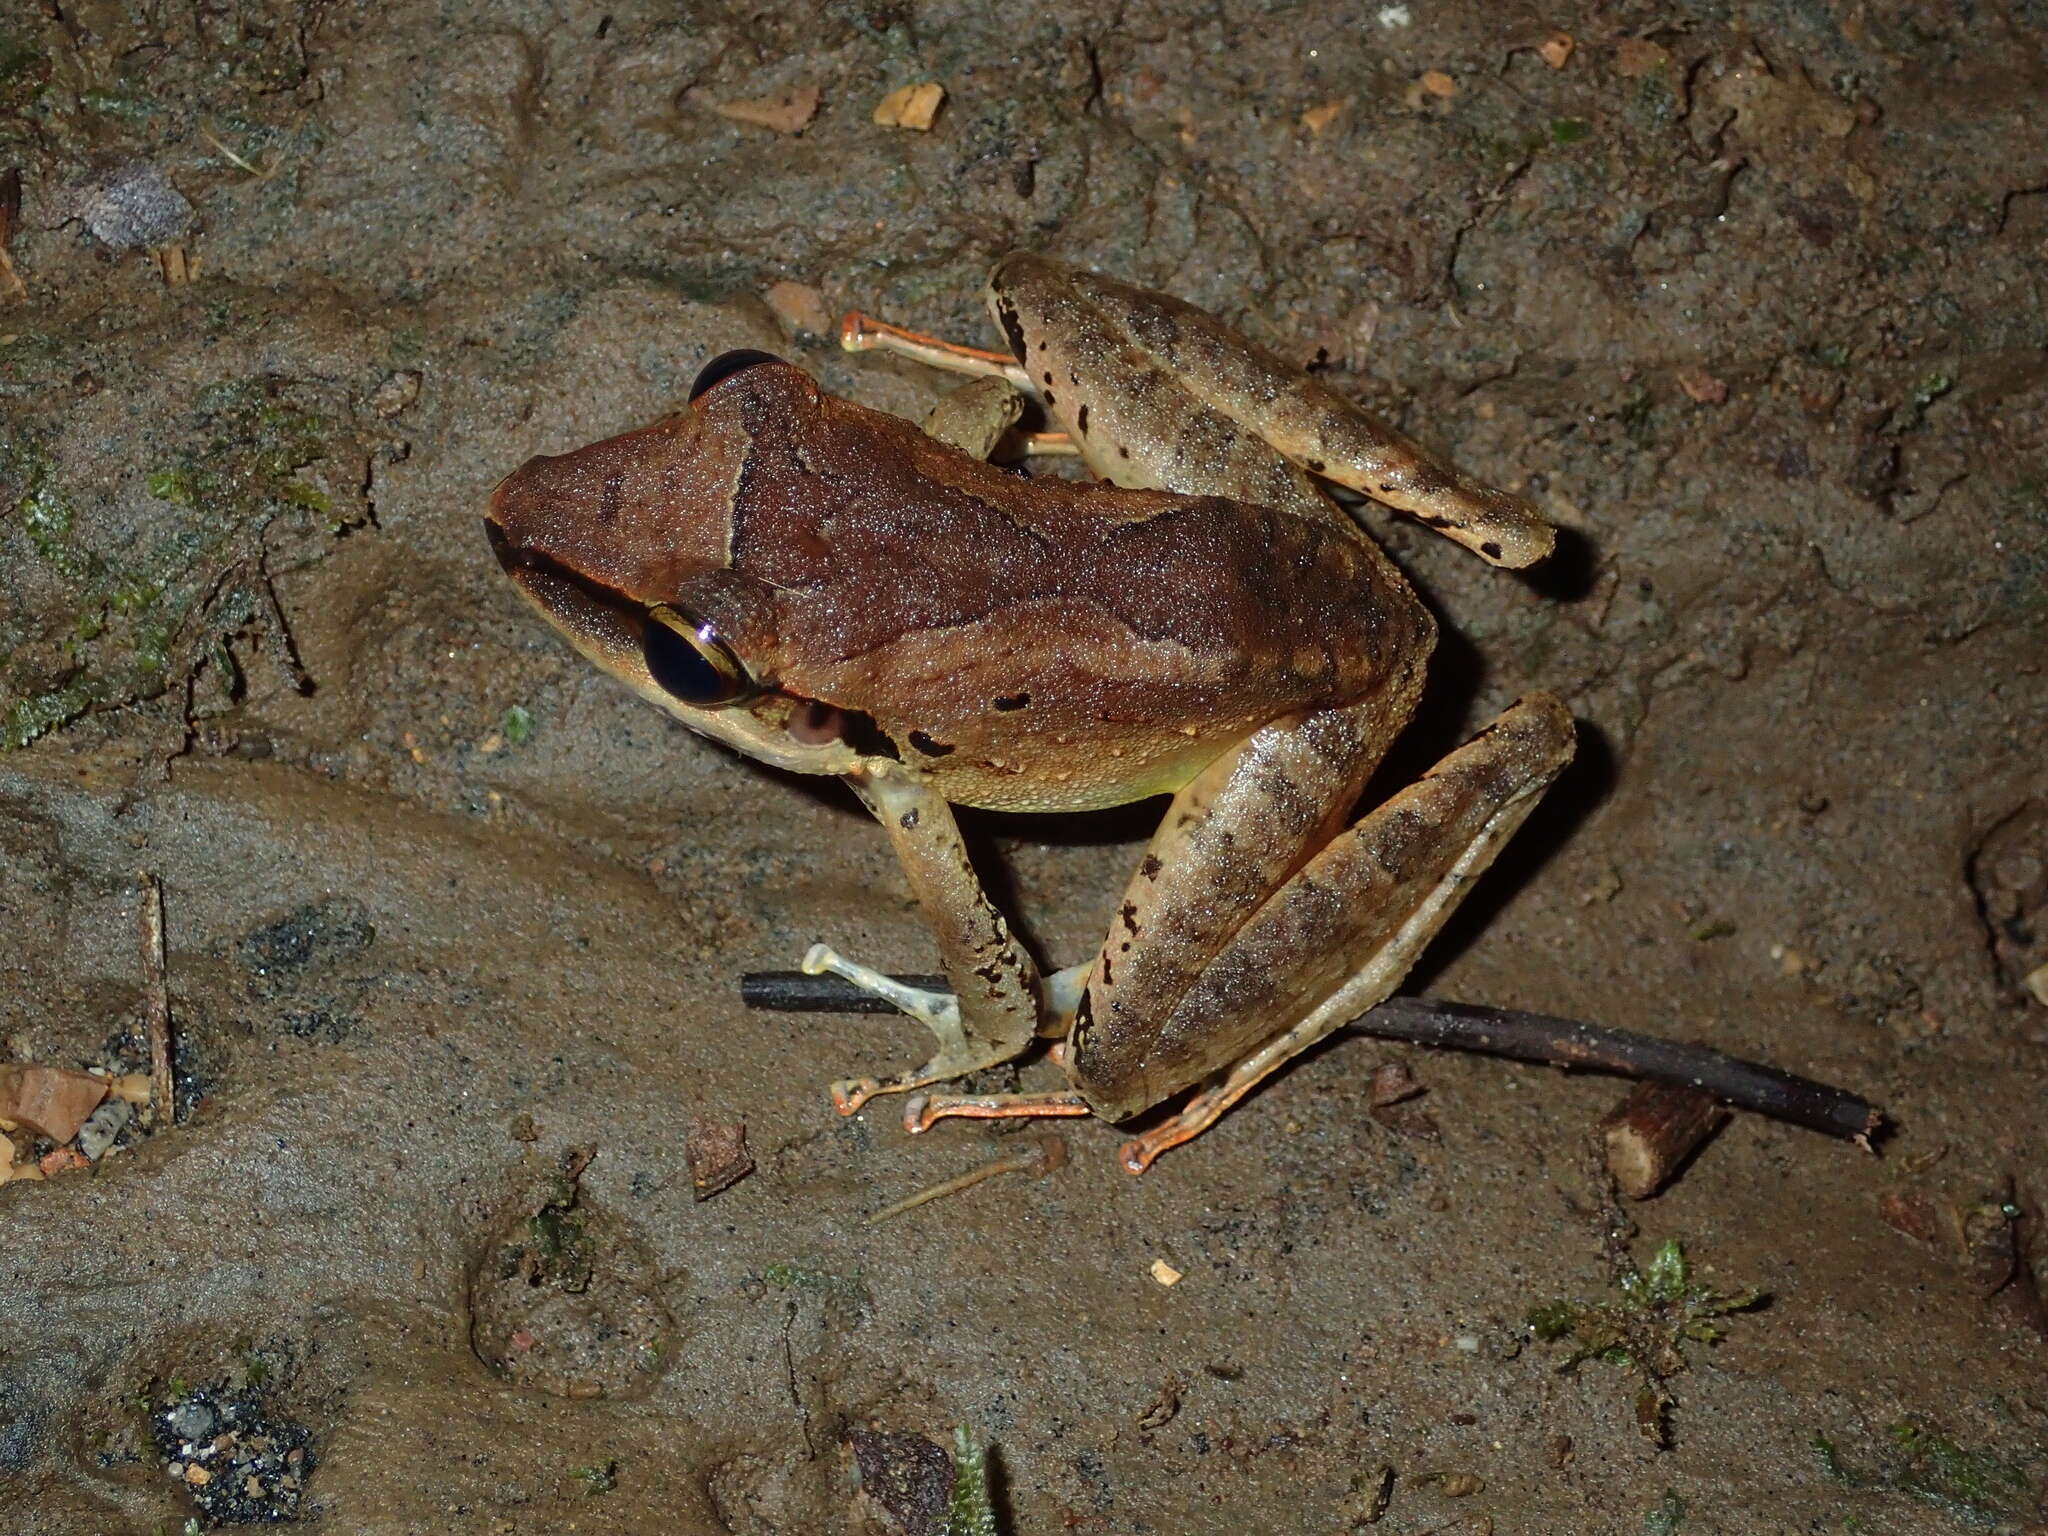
{"x":908,"y":821}
{"x":1150,"y":868}
{"x":1006,"y":316}
{"x":1315,"y":466}
{"x":1490,"y":549}
{"x":1129,"y":913}
{"x":1122,"y":452}
{"x":1432,"y":520}
{"x":1050,"y":398}
{"x":1048,"y":378}
{"x":928,"y":746}
{"x":1012,"y":701}
{"x":1107,"y":979}
{"x":1081,"y":425}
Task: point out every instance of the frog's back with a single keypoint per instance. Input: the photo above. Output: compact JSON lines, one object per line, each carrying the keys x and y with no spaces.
{"x":1046,"y":644}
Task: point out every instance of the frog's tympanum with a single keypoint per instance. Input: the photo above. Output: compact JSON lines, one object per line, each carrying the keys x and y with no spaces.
{"x":833,"y":590}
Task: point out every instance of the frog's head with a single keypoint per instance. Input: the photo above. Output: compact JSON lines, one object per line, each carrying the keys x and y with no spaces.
{"x":626,"y":547}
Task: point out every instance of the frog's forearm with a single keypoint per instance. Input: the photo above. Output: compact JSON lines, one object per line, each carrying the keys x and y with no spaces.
{"x":994,"y":979}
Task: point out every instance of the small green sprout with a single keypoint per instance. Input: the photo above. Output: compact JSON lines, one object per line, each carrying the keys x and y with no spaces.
{"x":1659,"y":1309}
{"x":972,"y":1511}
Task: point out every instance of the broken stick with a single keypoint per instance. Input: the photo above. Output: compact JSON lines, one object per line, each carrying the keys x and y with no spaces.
{"x":156,"y":997}
{"x":1653,"y":1131}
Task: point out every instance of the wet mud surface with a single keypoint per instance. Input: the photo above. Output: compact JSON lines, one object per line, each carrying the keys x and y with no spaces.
{"x":1749,"y":302}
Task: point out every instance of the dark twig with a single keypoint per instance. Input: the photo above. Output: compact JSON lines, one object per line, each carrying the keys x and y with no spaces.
{"x":796,"y":992}
{"x":1568,"y":1043}
{"x":1506,"y":1032}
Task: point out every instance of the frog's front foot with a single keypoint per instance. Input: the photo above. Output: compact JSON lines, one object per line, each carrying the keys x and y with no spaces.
{"x":939,"y":1012}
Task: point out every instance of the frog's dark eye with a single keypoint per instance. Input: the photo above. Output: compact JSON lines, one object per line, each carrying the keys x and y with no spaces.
{"x":690,"y":661}
{"x":725,"y":365}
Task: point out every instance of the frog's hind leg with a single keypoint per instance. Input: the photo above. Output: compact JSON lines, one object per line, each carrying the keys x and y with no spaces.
{"x":1338,"y":937}
{"x":1298,"y":416}
{"x":864,"y":333}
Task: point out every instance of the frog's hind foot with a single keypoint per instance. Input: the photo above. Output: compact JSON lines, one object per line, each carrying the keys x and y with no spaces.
{"x":927,"y":1109}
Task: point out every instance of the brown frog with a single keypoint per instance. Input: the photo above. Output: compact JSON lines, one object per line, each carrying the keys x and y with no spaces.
{"x":833,"y":590}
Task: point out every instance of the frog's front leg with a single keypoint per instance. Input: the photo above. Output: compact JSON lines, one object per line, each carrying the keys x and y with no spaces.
{"x":993,"y":1014}
{"x":974,"y":417}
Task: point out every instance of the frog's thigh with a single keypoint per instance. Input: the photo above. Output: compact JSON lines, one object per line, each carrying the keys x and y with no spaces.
{"x":994,"y":981}
{"x":974,"y":417}
{"x":1339,"y":936}
{"x":1230,"y":839}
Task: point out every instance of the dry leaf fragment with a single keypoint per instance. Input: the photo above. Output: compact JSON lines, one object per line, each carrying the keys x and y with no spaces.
{"x":1317,"y":120}
{"x":908,"y":1477}
{"x":1701,"y":387}
{"x":1437,"y":83}
{"x":1165,"y":1404}
{"x":789,"y":112}
{"x":51,"y":1101}
{"x":1912,"y":1214}
{"x":1391,"y":1083}
{"x":914,"y":106}
{"x":1556,"y":49}
{"x":717,"y":1154}
{"x":1635,"y":57}
{"x":800,"y":307}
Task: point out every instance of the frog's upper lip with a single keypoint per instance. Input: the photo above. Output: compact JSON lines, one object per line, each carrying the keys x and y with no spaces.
{"x":554,"y":585}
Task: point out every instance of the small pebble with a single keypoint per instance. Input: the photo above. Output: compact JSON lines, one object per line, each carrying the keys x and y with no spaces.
{"x":131,"y":205}
{"x":190,"y":1421}
{"x":102,"y":1127}
{"x":396,"y":392}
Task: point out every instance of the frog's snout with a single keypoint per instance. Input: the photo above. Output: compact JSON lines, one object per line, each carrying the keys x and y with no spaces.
{"x":508,"y":557}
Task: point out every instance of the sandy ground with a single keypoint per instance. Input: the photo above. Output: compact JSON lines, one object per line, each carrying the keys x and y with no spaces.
{"x":1750,"y":301}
